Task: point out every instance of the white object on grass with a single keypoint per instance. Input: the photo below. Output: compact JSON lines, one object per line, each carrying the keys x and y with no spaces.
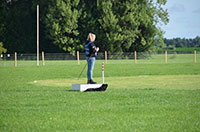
{"x":84,"y":87}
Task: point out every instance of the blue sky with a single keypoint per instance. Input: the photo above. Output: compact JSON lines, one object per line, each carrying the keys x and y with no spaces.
{"x":184,"y":18}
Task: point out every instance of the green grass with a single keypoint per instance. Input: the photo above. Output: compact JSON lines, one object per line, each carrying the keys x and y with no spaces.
{"x":140,"y":97}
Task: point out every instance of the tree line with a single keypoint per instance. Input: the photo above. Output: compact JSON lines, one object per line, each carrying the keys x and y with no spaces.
{"x":183,"y":42}
{"x":120,"y":25}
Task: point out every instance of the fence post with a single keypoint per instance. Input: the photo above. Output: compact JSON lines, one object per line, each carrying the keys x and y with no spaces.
{"x":195,"y":56}
{"x":15,"y":59}
{"x":78,"y":57}
{"x":38,"y":35}
{"x":165,"y":57}
{"x":43,"y":58}
{"x":135,"y":55}
{"x":106,"y":57}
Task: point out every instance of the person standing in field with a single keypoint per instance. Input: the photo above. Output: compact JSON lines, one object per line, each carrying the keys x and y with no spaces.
{"x":90,"y":52}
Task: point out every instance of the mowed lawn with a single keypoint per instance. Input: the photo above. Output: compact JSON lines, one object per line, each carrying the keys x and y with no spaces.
{"x":140,"y":97}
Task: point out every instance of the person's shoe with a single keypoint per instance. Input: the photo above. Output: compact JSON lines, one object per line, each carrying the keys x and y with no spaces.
{"x":91,"y":82}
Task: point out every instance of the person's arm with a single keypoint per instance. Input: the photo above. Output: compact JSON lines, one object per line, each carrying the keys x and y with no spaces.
{"x":93,"y":49}
{"x":97,"y":49}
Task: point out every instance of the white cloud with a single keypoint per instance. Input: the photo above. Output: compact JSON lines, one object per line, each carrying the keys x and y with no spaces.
{"x":197,"y":11}
{"x":177,"y":8}
{"x":184,"y":18}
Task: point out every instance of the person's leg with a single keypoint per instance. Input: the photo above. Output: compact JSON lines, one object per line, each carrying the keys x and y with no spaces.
{"x":92,"y":66}
{"x":90,"y":69}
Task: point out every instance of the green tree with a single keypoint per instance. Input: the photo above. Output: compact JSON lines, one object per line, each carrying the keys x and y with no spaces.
{"x":151,"y":14}
{"x":87,"y":22}
{"x":120,"y":26}
{"x":2,"y":49}
{"x":61,"y":23}
{"x":18,"y":20}
{"x":197,"y":41}
{"x":2,"y":19}
{"x":183,"y":42}
{"x":123,"y":25}
{"x":131,"y":24}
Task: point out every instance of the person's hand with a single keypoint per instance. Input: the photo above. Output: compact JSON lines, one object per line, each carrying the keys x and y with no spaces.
{"x":97,"y":49}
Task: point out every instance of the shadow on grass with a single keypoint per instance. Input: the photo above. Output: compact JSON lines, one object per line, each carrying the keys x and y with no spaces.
{"x":72,"y":90}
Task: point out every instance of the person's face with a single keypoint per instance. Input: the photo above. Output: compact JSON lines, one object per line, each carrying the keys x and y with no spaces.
{"x":92,"y":38}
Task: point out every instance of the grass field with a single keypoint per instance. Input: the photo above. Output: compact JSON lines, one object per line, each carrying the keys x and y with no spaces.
{"x":140,"y":97}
